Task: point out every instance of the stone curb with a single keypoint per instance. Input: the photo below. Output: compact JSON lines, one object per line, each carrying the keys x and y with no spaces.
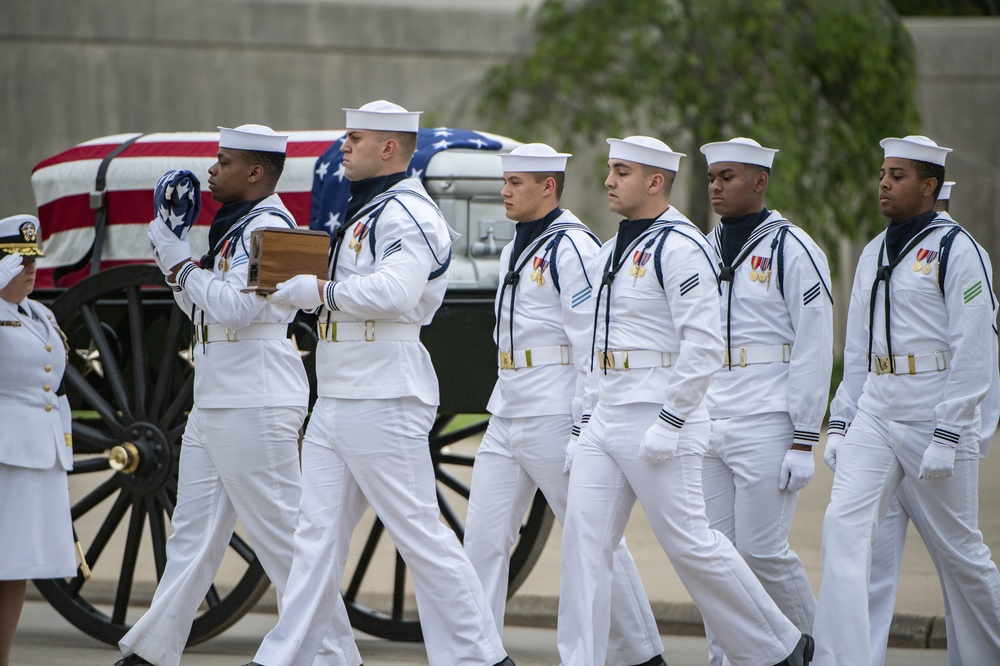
{"x":683,"y":619}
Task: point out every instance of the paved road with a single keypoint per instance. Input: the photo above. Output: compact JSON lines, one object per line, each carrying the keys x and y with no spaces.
{"x":45,"y":639}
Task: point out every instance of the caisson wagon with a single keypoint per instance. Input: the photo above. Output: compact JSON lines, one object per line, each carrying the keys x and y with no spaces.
{"x":130,"y":374}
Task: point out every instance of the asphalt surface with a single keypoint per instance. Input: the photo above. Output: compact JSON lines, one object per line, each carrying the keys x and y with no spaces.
{"x":45,"y":639}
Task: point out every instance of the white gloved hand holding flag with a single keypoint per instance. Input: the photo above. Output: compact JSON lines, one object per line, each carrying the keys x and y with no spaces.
{"x":176,"y":204}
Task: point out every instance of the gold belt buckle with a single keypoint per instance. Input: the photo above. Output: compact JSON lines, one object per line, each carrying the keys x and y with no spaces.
{"x":607,"y":361}
{"x":203,"y":331}
{"x":507,"y":361}
{"x":369,"y":331}
{"x":883,"y":365}
{"x":231,"y":335}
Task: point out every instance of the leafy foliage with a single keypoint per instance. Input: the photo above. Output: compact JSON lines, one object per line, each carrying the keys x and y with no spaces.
{"x":822,"y":81}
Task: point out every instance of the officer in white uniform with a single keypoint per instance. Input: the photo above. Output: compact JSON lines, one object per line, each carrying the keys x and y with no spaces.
{"x":239,"y":455}
{"x":911,"y":407}
{"x":543,"y":336}
{"x":887,"y":551}
{"x":36,"y":449}
{"x":656,"y":346}
{"x":768,"y":401}
{"x":367,"y":440}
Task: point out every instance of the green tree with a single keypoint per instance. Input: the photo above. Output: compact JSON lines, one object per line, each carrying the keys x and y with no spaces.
{"x":822,"y":81}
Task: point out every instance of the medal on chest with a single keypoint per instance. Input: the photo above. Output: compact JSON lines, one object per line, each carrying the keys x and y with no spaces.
{"x":923,"y":262}
{"x":638,"y":269}
{"x":539,"y":264}
{"x":760,"y":269}
{"x":357,"y":238}
{"x":225,"y":253}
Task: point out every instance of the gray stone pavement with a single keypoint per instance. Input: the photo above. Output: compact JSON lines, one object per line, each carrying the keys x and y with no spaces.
{"x":45,"y":639}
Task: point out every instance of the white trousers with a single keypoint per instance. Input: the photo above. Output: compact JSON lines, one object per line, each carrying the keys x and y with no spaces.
{"x":606,"y":480}
{"x":234,"y":463}
{"x":887,"y":562}
{"x":518,"y":456}
{"x":874,"y":458}
{"x":742,"y":500}
{"x":358,"y":452}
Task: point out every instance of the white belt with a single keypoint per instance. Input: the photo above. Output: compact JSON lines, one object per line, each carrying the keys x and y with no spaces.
{"x":369,"y":331}
{"x":532,"y":358}
{"x":631,"y":359}
{"x":911,"y":364}
{"x":744,"y":356}
{"x":222,"y":333}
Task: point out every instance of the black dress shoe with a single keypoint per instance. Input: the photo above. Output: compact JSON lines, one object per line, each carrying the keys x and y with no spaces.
{"x":507,"y":661}
{"x":253,"y":663}
{"x":802,"y":655}
{"x":133,"y":660}
{"x":655,"y":661}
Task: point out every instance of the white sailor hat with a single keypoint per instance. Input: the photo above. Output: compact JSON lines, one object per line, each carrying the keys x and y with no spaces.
{"x":915,"y":147}
{"x":946,"y":190}
{"x":741,"y":150}
{"x":252,"y":137}
{"x":383,"y":116}
{"x":645,"y":150}
{"x":20,"y":233}
{"x":534,"y":157}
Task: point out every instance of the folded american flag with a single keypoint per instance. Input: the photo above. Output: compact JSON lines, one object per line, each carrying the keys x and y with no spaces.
{"x":331,"y":191}
{"x":177,"y":200}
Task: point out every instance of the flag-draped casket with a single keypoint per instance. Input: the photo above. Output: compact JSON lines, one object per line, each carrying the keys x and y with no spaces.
{"x":96,"y":198}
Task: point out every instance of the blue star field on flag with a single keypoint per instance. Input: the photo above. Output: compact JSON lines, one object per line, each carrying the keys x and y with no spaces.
{"x":177,"y":201}
{"x":331,"y":191}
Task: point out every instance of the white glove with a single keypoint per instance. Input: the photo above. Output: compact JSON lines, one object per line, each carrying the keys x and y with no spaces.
{"x":938,"y":461}
{"x":659,"y":443}
{"x":168,"y":249}
{"x":302,"y":291}
{"x":833,"y":442}
{"x":797,"y":470}
{"x":10,"y":268}
{"x":570,"y":453}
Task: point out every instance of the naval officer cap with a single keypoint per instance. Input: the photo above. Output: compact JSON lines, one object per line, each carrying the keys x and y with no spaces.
{"x":384,"y":116}
{"x":915,"y":147}
{"x":645,"y":150}
{"x":741,"y":150}
{"x":19,"y":233}
{"x":252,"y":137}
{"x":534,"y":158}
{"x":945,"y":194}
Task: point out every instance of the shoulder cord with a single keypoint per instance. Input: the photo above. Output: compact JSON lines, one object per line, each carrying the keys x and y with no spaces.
{"x":511,"y":279}
{"x":607,"y":278}
{"x":882,"y":274}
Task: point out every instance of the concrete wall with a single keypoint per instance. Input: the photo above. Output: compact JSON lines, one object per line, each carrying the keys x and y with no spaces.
{"x":73,"y":70}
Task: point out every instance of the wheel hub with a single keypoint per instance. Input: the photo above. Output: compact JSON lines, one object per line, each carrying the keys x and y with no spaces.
{"x":145,"y":460}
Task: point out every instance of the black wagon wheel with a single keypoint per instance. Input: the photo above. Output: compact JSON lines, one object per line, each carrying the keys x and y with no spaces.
{"x":130,"y":382}
{"x":377,"y":588}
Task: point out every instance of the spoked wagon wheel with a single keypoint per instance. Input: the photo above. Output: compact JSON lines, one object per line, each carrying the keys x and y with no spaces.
{"x":129,"y":381}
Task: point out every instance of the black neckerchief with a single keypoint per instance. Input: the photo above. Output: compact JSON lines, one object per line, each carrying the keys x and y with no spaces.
{"x":365,"y":190}
{"x":227,"y":216}
{"x":904,"y":239}
{"x":628,"y":231}
{"x":736,"y":231}
{"x":526,"y":232}
{"x":897,"y":235}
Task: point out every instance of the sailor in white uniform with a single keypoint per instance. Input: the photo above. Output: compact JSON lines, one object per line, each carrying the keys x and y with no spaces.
{"x":768,"y":401}
{"x":36,"y":449}
{"x":239,"y":454}
{"x":656,"y":346}
{"x":887,"y":551}
{"x":543,"y":336}
{"x":367,"y":440}
{"x":919,"y":364}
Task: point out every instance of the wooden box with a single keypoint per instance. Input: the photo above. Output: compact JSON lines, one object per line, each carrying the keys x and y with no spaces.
{"x":279,"y":254}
